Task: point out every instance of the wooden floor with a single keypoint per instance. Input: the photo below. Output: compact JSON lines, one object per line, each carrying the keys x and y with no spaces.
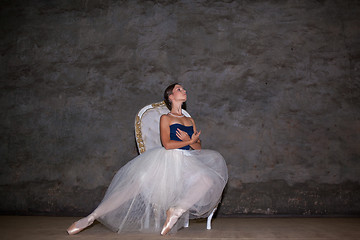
{"x":54,"y":228}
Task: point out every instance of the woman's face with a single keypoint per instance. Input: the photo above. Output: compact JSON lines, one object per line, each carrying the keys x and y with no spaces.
{"x":178,"y":93}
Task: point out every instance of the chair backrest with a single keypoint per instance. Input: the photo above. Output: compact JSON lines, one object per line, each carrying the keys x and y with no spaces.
{"x":147,"y":126}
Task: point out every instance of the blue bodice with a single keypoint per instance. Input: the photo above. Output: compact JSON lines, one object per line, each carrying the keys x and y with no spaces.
{"x":188,"y":129}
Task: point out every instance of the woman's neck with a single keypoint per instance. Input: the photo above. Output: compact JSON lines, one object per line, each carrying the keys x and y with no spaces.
{"x":176,"y":109}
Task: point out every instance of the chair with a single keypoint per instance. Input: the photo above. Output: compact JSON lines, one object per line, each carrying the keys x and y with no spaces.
{"x":147,"y":133}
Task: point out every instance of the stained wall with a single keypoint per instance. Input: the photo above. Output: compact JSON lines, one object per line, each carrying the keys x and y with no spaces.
{"x":273,"y":85}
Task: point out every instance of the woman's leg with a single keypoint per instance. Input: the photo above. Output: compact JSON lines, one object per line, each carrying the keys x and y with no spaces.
{"x":198,"y":189}
{"x":201,"y":185}
{"x":113,"y":201}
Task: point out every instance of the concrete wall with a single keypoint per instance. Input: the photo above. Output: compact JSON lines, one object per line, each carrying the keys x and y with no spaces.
{"x":273,"y":85}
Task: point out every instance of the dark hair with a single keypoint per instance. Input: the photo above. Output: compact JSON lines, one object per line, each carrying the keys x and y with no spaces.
{"x":167,"y":93}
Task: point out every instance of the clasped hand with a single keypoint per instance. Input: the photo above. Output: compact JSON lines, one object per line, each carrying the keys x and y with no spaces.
{"x":184,"y":136}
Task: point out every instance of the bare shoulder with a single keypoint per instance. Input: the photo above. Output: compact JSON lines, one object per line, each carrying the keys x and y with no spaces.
{"x":164,"y":118}
{"x":191,"y":119}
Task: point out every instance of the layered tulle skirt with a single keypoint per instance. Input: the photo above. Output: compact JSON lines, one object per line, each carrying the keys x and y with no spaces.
{"x":145,"y":188}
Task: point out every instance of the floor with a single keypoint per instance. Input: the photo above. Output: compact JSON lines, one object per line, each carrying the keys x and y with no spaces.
{"x":38,"y":228}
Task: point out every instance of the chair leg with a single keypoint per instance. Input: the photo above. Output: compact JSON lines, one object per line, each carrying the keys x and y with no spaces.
{"x":147,"y":218}
{"x":208,"y":223}
{"x":186,"y":223}
{"x":157,"y":217}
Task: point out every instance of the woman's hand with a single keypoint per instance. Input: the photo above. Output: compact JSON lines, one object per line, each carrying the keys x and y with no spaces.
{"x":195,"y":136}
{"x":182,"y":135}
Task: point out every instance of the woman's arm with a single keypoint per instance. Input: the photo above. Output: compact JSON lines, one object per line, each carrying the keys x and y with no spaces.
{"x":197,"y":144}
{"x":165,"y":136}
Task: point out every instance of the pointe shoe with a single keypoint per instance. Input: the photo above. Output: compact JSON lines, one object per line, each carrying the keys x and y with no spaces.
{"x":172,"y":215}
{"x":80,"y":225}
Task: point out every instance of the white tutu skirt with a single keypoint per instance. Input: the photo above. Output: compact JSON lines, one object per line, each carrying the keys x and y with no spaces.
{"x":145,"y":188}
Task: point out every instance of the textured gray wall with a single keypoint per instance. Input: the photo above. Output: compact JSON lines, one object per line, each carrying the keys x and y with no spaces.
{"x":273,"y":85}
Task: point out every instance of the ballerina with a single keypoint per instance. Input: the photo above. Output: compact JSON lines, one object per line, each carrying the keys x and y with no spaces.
{"x":163,"y":182}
